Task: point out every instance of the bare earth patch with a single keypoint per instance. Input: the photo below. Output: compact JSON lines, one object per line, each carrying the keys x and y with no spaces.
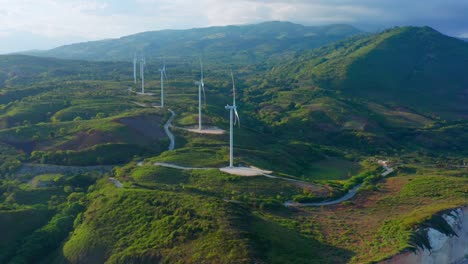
{"x":149,"y":126}
{"x":84,"y":140}
{"x":212,"y":130}
{"x":245,"y":171}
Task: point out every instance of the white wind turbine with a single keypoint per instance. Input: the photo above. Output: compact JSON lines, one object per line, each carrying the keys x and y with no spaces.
{"x":232,"y":121}
{"x":142,"y":74}
{"x":134,"y":68}
{"x":201,"y":87}
{"x":163,"y":76}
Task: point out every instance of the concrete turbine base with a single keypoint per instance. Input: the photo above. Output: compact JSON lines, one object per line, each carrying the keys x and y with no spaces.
{"x":205,"y":130}
{"x":245,"y":171}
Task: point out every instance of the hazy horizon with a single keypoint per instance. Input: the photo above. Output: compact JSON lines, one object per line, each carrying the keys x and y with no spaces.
{"x":26,"y":25}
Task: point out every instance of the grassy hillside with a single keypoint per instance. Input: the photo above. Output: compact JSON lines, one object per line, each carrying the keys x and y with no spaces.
{"x":414,"y":67}
{"x":166,"y":227}
{"x":379,"y":222}
{"x":73,"y":112}
{"x":393,"y":92}
{"x":18,"y":223}
{"x":36,"y":214}
{"x":18,"y":70}
{"x":239,"y":44}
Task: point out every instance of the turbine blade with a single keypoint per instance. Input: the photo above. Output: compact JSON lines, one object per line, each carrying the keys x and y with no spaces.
{"x":237,"y":119}
{"x":233,"y":89}
{"x":201,"y":69}
{"x":204,"y":95}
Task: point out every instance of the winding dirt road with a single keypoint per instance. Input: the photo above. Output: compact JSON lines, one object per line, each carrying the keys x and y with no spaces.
{"x":116,"y":182}
{"x":168,"y":132}
{"x":351,"y":193}
{"x":173,"y":166}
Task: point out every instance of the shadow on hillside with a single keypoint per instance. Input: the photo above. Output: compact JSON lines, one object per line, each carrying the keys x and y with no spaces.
{"x":275,"y":243}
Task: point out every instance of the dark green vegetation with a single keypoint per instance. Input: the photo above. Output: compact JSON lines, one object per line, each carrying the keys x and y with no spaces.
{"x":241,"y":44}
{"x":323,"y":117}
{"x":167,"y":227}
{"x":35,"y":218}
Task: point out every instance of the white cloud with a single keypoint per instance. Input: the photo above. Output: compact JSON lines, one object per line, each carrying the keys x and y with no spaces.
{"x":49,"y":17}
{"x":246,"y":11}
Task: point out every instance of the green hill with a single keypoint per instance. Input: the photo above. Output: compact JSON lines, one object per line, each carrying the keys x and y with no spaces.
{"x":241,"y":44}
{"x":415,"y":67}
{"x":394,"y":91}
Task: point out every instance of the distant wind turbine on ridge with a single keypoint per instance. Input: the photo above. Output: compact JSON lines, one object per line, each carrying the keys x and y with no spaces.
{"x":201,"y":87}
{"x":135,"y":68}
{"x":142,"y":73}
{"x":163,"y":76}
{"x":232,"y":122}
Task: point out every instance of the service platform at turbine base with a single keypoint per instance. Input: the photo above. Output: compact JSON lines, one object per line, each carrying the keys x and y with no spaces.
{"x":245,"y":171}
{"x":147,"y":94}
{"x":205,"y":130}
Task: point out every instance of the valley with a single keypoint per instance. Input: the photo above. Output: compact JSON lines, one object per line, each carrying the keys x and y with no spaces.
{"x":350,"y":143}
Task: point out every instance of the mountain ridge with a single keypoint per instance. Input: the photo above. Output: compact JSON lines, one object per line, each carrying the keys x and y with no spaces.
{"x":247,"y":42}
{"x":416,"y":67}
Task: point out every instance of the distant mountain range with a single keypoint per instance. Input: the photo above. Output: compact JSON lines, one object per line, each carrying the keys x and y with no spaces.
{"x":245,"y":44}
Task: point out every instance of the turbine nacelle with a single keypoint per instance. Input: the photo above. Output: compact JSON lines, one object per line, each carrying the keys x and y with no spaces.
{"x":236,"y":114}
{"x":163,"y":69}
{"x":163,"y":72}
{"x":201,"y":84}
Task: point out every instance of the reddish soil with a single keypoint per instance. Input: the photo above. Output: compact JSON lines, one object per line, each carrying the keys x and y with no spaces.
{"x":150,"y":126}
{"x":145,"y":129}
{"x":84,"y":140}
{"x":317,"y":190}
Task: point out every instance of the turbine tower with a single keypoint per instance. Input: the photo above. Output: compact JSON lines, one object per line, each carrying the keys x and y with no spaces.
{"x":134,"y":68}
{"x":142,"y":74}
{"x":201,"y":86}
{"x":163,"y":76}
{"x":232,"y":121}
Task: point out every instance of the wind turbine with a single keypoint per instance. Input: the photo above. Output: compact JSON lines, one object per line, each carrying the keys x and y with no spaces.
{"x":163,"y":76}
{"x":142,"y":73}
{"x":232,"y":121}
{"x":134,"y":68}
{"x":201,"y":86}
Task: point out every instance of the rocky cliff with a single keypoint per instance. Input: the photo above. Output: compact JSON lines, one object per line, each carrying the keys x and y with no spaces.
{"x":445,"y":249}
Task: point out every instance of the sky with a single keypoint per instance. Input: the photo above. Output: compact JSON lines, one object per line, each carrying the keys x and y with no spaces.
{"x":44,"y":24}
